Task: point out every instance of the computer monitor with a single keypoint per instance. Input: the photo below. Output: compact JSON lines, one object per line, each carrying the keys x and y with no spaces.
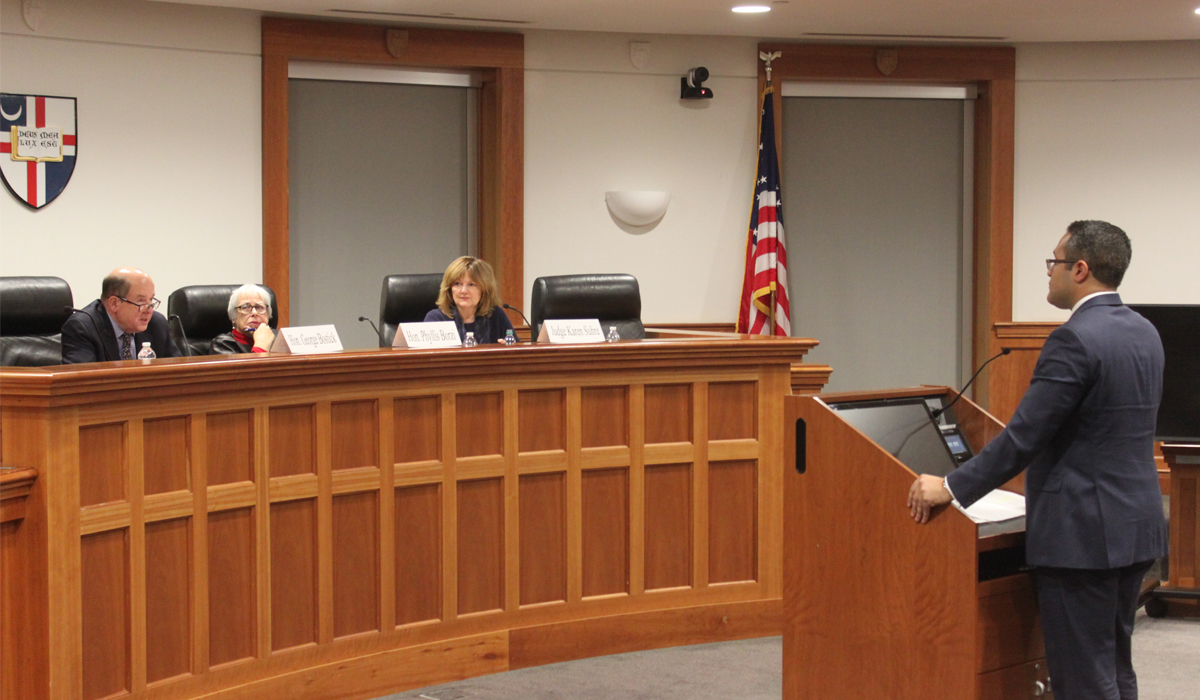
{"x":903,"y":427}
{"x":1179,"y":328}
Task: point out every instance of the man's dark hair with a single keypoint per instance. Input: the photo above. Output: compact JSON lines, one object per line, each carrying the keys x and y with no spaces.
{"x":1104,"y":247}
{"x":114,"y":286}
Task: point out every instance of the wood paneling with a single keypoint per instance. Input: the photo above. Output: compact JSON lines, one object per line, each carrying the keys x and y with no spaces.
{"x":543,"y":537}
{"x":293,"y":440}
{"x":418,"y":431}
{"x":479,"y":424}
{"x":1009,"y":627}
{"x":732,"y":521}
{"x":605,"y":416}
{"x":355,"y":564}
{"x":732,"y":410}
{"x":418,"y":553}
{"x":480,"y":545}
{"x":355,"y":433}
{"x":293,"y":573}
{"x":669,"y":413}
{"x":498,"y":57}
{"x":668,"y":526}
{"x":168,"y":599}
{"x":310,"y":564}
{"x":105,"y":592}
{"x":102,"y":464}
{"x":166,"y":457}
{"x":230,"y":447}
{"x":542,"y":420}
{"x":605,"y":531}
{"x":231,"y":586}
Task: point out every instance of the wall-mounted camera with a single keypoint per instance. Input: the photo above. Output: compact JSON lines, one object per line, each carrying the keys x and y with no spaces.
{"x":690,"y":88}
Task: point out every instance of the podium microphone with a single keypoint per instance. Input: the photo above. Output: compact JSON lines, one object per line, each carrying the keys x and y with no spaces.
{"x":938,"y":413}
{"x":377,"y":333}
{"x":72,"y":310}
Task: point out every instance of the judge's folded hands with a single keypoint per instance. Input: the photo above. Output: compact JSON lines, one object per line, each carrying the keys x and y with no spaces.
{"x":926,"y":492}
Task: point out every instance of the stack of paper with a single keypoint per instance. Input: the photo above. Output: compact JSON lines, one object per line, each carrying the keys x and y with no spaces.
{"x":995,"y":507}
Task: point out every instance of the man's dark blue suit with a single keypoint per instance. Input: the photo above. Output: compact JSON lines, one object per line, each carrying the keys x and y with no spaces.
{"x":80,"y":342}
{"x":1084,"y":433}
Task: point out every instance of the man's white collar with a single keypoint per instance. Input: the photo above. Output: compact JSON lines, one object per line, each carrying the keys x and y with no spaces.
{"x":1093,"y":294}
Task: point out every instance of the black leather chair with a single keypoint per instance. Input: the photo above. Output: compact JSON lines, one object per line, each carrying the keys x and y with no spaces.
{"x":203,"y":311}
{"x":405,"y":299}
{"x":614,"y":299}
{"x":31,"y":319}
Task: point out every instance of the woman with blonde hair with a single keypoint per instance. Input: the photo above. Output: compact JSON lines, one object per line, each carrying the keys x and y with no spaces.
{"x":468,"y":296}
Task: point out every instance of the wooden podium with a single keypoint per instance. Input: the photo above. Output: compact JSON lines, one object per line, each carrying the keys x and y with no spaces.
{"x":1184,"y":583}
{"x":352,"y":525}
{"x":877,"y":606}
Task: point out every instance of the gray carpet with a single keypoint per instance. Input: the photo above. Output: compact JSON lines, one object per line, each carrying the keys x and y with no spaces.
{"x":1166,"y":654}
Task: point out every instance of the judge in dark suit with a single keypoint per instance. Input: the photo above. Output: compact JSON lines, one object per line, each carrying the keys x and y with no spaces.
{"x":1084,"y":433}
{"x":114,"y":326}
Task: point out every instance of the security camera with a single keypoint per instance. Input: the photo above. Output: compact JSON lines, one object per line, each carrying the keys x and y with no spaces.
{"x":689,"y":85}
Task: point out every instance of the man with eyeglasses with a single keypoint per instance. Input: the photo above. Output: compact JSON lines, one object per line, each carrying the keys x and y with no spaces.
{"x":1084,"y":435}
{"x":114,"y":326}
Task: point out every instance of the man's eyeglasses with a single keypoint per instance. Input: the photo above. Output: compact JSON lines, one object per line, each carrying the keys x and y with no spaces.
{"x":151,"y":306}
{"x":1051,"y":262}
{"x":252,"y":309}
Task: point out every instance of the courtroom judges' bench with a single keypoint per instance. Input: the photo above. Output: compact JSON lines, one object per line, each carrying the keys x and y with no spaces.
{"x":366,"y":522}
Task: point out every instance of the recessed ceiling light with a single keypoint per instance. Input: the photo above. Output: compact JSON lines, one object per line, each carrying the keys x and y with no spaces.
{"x":750,"y":9}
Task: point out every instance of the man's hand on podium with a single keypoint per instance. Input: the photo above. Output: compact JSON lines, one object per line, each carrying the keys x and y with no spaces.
{"x":926,"y":492}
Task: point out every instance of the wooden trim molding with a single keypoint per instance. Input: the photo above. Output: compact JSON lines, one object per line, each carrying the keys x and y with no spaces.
{"x":498,"y":57}
{"x":1025,"y":330}
{"x":992,"y":70}
{"x":15,"y":485}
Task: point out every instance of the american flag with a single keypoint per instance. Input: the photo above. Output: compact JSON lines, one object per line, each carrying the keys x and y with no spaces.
{"x":764,"y":307}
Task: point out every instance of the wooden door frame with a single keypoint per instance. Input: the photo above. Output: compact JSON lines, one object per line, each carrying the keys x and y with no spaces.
{"x":992,"y":69}
{"x":498,"y":57}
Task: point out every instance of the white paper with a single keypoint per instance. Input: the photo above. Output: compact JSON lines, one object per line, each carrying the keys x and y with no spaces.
{"x":995,"y":507}
{"x":573,"y":330}
{"x":306,"y":340}
{"x":432,"y":334}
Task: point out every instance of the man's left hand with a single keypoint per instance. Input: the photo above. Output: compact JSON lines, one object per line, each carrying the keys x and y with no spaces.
{"x":926,"y":492}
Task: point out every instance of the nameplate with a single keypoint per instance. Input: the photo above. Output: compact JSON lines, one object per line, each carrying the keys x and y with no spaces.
{"x":573,"y":330}
{"x":431,"y":334}
{"x":306,"y":340}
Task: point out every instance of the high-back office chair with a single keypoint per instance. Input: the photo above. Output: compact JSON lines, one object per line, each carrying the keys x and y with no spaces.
{"x":31,"y":319}
{"x":203,"y":311}
{"x":614,"y":299}
{"x":405,"y":299}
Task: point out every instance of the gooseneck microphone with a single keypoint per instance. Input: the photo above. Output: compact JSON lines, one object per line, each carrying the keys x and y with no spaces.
{"x":72,"y":310}
{"x":187,"y":348}
{"x":510,"y":307}
{"x":938,"y":413}
{"x":377,"y":333}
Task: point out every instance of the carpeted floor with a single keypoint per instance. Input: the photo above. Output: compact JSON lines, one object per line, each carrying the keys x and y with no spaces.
{"x":1166,"y":653}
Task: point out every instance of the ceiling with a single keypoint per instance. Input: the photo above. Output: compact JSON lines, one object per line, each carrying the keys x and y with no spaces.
{"x":977,"y":21}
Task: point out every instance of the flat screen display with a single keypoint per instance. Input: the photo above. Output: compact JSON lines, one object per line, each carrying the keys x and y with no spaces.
{"x":1179,"y":328}
{"x":903,"y":427}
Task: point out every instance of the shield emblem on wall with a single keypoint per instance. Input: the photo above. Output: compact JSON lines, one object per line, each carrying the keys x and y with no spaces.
{"x":38,"y":145}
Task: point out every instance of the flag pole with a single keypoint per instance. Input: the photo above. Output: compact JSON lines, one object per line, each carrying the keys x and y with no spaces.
{"x":767,"y":58}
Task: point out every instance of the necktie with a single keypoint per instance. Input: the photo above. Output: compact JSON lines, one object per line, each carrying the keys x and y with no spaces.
{"x":126,"y":346}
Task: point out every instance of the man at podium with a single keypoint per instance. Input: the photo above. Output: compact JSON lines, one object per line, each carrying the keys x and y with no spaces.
{"x":1084,"y":431}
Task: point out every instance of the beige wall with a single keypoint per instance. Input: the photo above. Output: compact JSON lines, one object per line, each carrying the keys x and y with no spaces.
{"x":1109,"y":131}
{"x":169,"y":172}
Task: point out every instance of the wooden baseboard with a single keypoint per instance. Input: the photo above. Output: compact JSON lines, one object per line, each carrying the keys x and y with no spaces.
{"x":450,"y":660}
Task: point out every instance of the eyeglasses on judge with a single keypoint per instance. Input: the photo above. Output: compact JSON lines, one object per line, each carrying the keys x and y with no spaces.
{"x":1051,"y":262}
{"x":252,"y":308}
{"x":152,"y":305}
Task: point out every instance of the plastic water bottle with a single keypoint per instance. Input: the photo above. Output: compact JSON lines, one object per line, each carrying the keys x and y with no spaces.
{"x":509,"y":338}
{"x":146,"y":353}
{"x":469,"y":341}
{"x":613,"y":335}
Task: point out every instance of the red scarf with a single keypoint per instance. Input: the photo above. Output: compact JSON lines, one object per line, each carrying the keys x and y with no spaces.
{"x":241,"y":338}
